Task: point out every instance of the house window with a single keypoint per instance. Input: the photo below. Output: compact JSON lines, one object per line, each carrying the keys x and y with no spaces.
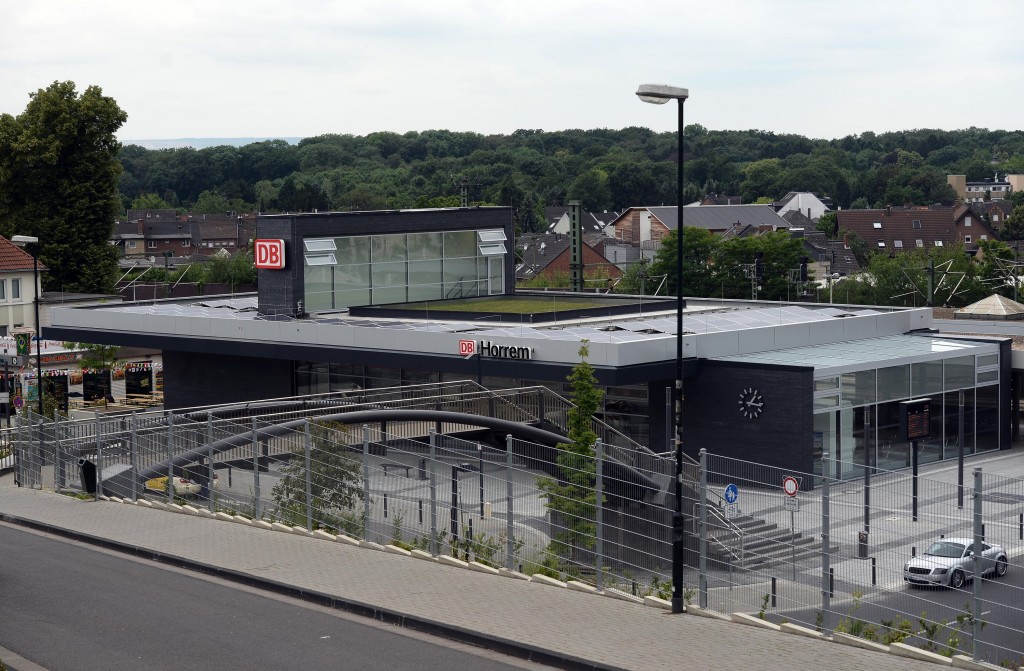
{"x":877,"y":224}
{"x":15,"y":288}
{"x":881,"y":243}
{"x":967,"y":221}
{"x":995,"y":218}
{"x":131,"y":244}
{"x":938,"y":243}
{"x":920,"y":243}
{"x":3,"y":290}
{"x":916,"y":223}
{"x":186,"y":243}
{"x":984,"y":237}
{"x":151,"y":244}
{"x":967,"y":239}
{"x":898,"y":244}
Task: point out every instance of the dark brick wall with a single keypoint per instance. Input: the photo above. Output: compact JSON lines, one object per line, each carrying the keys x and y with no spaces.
{"x":280,"y":290}
{"x":781,"y":436}
{"x":192,"y":379}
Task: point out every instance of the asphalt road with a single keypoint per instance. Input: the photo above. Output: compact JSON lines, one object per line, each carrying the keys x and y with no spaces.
{"x":1001,"y":608}
{"x":68,"y":607}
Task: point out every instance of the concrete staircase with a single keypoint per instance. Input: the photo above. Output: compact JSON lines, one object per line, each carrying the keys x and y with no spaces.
{"x":754,"y":543}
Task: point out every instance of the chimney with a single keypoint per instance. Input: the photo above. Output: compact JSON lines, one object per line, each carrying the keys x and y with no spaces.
{"x":846,"y":241}
{"x":888,"y":210}
{"x":142,"y":226}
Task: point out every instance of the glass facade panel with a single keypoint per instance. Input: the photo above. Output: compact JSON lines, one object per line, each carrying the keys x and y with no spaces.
{"x":459,"y":243}
{"x":926,"y":378}
{"x":858,"y":388}
{"x":388,"y":275}
{"x":826,"y":383}
{"x":987,"y":360}
{"x":318,"y":288}
{"x":385,"y":295}
{"x":346,"y":299}
{"x":987,"y":418}
{"x":424,"y":272}
{"x":959,"y":372}
{"x":352,"y":250}
{"x":892,"y":453}
{"x":826,"y":402}
{"x":893,"y":383}
{"x":988,"y":376}
{"x":456,"y":270}
{"x":388,"y":248}
{"x":426,"y":292}
{"x":424,"y":246}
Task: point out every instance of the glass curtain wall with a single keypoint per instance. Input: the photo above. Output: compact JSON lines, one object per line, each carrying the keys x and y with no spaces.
{"x":857,"y":414}
{"x":402,"y":267}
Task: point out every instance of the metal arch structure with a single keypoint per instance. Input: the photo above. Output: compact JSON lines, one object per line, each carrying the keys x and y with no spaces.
{"x":614,"y":468}
{"x":357,"y":417}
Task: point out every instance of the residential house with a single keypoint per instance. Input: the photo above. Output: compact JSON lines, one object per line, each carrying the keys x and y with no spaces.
{"x":640,"y":225}
{"x":993,"y":212}
{"x":152,"y":237}
{"x":715,"y":199}
{"x":826,"y":256}
{"x":547,"y":255}
{"x":806,"y":203}
{"x":897,"y":229}
{"x":223,"y":233}
{"x":592,"y":222}
{"x":17,"y":297}
{"x":989,"y":189}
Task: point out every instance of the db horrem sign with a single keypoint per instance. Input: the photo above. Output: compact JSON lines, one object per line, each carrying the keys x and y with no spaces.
{"x":487,"y":348}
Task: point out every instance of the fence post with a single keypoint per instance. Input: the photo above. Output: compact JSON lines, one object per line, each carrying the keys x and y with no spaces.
{"x":976,"y":558}
{"x":132,"y":461}
{"x":170,"y":456}
{"x":366,"y":482}
{"x":702,"y":543}
{"x":826,"y":570}
{"x":17,"y":453}
{"x":99,"y":456}
{"x":509,"y":544}
{"x":58,"y":458}
{"x":255,"y":470}
{"x":307,"y":446}
{"x":433,"y":493}
{"x":598,"y":508}
{"x":210,"y":471}
{"x":480,"y":463}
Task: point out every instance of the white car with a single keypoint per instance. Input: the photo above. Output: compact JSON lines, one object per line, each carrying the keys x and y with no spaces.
{"x":950,"y":562}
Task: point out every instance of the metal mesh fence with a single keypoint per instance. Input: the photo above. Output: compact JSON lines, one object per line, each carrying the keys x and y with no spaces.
{"x":784,"y":545}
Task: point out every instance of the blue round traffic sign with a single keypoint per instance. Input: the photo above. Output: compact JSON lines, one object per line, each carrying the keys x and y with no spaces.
{"x":732,"y":492}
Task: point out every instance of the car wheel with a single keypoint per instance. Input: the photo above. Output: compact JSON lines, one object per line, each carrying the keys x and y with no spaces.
{"x":1001,"y":567}
{"x":957,"y":579}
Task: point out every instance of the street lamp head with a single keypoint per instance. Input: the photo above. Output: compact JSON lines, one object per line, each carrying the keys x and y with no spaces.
{"x":659,"y":94}
{"x":22,"y":240}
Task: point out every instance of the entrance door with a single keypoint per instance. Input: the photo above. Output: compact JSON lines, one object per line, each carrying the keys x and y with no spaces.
{"x":495,"y":275}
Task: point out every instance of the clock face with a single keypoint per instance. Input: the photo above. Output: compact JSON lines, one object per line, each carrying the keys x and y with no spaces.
{"x":751,"y":403}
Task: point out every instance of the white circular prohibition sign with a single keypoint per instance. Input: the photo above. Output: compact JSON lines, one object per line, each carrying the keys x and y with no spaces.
{"x":790,"y":485}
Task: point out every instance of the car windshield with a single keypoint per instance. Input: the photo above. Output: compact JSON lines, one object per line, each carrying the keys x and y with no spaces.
{"x":945,"y":549}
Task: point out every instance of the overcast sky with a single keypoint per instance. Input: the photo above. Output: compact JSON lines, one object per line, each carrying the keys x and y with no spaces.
{"x":261,"y":68}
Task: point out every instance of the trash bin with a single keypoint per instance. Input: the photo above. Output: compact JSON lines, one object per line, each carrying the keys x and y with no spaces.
{"x":862,"y":545}
{"x":87,"y":475}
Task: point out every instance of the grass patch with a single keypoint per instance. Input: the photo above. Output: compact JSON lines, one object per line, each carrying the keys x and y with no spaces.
{"x":512,"y":304}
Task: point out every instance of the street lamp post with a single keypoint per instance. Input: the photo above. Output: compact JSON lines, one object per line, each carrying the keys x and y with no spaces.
{"x":659,"y":94}
{"x":21,"y":241}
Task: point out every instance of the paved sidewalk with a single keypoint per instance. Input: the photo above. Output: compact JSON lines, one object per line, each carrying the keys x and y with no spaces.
{"x":548,"y":624}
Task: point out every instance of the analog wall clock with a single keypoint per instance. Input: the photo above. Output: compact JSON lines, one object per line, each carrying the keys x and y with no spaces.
{"x":751,"y":403}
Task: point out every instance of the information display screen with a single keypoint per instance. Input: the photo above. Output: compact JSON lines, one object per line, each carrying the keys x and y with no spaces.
{"x":916,"y":419}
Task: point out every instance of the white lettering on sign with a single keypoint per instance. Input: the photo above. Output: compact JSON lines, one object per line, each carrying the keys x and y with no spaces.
{"x":487,"y":348}
{"x":269,"y":254}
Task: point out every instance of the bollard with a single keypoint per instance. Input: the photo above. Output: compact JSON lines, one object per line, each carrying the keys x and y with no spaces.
{"x":913,"y":551}
{"x":874,"y":577}
{"x":421,"y":510}
{"x":1020,"y":528}
{"x":982,"y":532}
{"x":774,"y":593}
{"x":831,"y":583}
{"x":385,"y":505}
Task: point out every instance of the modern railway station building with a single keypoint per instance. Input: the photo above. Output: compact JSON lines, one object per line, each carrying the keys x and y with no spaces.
{"x":362,"y":300}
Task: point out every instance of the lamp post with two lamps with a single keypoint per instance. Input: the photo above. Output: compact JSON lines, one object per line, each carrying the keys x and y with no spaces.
{"x":22,"y":241}
{"x":659,"y":94}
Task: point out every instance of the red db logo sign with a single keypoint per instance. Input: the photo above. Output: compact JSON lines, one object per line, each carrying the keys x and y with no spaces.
{"x":269,"y":254}
{"x":467,"y":347}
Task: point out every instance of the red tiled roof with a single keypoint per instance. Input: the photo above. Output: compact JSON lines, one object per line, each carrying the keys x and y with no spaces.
{"x":13,"y":258}
{"x":898,"y":224}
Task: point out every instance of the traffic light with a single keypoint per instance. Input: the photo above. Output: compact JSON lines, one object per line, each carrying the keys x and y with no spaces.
{"x":803,"y":268}
{"x":758,"y":264}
